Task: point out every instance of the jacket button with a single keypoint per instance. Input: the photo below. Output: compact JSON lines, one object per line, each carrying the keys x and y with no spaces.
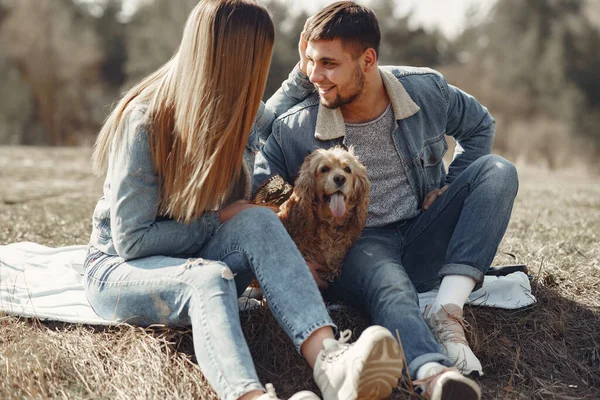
{"x":432,"y":159}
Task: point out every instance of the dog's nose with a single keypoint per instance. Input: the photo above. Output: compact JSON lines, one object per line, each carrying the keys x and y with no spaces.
{"x":339,"y":180}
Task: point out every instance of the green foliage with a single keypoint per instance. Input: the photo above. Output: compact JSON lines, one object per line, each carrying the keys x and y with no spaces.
{"x":285,"y":51}
{"x":112,"y":42}
{"x":64,"y":64}
{"x":57,"y":56}
{"x":152,"y":36}
{"x":401,"y":45}
{"x":550,"y":51}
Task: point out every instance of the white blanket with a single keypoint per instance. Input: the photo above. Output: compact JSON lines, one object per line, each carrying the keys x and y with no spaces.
{"x":47,"y":283}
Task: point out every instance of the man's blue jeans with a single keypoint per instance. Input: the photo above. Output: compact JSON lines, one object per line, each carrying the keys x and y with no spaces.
{"x":203,"y":294}
{"x":458,"y":235}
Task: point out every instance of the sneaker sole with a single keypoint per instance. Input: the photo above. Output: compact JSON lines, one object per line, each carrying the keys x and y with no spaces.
{"x":382,"y":368}
{"x":459,"y":390}
{"x":472,"y":374}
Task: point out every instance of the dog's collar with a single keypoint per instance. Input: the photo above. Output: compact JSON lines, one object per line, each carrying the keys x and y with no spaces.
{"x":330,"y":122}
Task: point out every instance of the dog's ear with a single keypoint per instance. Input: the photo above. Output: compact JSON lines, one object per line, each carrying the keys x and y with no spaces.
{"x":304,"y":187}
{"x":361,"y":196}
{"x":297,"y":212}
{"x":362,"y":185}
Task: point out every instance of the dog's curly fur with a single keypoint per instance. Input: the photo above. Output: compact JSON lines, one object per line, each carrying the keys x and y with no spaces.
{"x":320,"y":236}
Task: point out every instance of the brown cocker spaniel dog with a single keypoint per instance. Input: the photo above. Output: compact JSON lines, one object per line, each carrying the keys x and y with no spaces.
{"x":328,"y":207}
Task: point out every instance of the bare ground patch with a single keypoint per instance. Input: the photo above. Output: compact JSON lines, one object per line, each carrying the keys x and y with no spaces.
{"x":551,"y":350}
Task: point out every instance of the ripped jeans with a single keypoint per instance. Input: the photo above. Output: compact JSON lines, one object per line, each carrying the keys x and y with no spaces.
{"x":203,"y":294}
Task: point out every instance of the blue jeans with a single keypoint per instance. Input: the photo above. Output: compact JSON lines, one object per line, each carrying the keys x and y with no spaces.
{"x":458,"y":235}
{"x":203,"y":294}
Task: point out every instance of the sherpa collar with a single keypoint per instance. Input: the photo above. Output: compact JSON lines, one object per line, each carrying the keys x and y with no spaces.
{"x":330,"y":123}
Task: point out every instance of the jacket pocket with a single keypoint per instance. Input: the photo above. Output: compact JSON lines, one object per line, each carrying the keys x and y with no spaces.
{"x":433,"y":151}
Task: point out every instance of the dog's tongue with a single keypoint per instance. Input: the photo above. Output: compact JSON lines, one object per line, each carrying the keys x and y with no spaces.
{"x":337,"y":206}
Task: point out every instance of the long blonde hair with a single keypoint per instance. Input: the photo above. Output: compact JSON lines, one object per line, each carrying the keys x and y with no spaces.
{"x":201,"y":105}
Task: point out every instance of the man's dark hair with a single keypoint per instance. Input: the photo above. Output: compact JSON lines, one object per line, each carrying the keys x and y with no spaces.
{"x":354,"y":24}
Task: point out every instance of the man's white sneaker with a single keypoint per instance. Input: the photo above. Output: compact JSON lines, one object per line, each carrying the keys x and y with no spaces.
{"x":449,"y":384}
{"x":368,"y":369}
{"x":271,"y":395}
{"x":448,"y":325}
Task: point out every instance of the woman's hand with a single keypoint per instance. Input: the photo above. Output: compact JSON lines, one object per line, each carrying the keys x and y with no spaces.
{"x":315,"y":268}
{"x":237,"y":207}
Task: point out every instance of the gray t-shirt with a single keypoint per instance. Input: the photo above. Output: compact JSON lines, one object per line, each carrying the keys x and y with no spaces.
{"x":392,"y":198}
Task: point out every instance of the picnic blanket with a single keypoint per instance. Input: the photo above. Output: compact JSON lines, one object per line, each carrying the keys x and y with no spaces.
{"x":47,"y":283}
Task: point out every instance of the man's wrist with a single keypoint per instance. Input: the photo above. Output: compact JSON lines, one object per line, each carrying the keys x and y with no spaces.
{"x":301,"y":79}
{"x":302,"y":69}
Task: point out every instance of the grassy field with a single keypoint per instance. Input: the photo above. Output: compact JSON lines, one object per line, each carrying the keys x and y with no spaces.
{"x":551,"y":350}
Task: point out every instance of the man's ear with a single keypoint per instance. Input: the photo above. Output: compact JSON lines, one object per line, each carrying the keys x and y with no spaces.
{"x":369,"y":59}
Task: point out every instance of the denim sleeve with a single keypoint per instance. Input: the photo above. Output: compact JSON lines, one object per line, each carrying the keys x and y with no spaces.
{"x":270,"y":160}
{"x":473,"y":128}
{"x":136,"y":232}
{"x":293,"y":91}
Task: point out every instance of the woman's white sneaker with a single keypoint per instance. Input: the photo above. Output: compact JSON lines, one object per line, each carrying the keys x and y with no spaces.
{"x":271,"y":395}
{"x":368,"y":369}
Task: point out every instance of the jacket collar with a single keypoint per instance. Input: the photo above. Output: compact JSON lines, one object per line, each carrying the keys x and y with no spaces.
{"x":330,"y":123}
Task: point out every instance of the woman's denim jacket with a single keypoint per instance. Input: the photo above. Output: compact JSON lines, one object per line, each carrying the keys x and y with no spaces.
{"x":426,"y":108}
{"x":126,"y":221}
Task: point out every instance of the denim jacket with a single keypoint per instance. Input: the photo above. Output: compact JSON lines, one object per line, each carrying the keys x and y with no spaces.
{"x":426,"y":109}
{"x":126,"y":221}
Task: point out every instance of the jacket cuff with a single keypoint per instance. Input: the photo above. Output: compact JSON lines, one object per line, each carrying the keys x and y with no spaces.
{"x":301,"y":79}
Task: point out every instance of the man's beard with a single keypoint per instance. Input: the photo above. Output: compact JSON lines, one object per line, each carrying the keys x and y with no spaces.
{"x":358,"y":82}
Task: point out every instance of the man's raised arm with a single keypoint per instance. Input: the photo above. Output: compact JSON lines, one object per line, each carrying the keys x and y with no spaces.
{"x":293,"y":90}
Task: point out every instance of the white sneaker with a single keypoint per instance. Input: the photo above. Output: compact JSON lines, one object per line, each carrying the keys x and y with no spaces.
{"x":271,"y":395}
{"x":367,"y":369}
{"x":448,"y":325}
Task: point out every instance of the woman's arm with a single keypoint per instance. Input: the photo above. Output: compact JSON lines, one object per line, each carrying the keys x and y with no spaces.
{"x":134,"y":194}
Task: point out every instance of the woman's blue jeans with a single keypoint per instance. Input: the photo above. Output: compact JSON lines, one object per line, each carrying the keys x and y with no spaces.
{"x":458,"y":235}
{"x":203,"y":294}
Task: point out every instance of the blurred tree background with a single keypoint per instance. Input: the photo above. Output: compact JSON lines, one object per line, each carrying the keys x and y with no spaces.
{"x":535,"y":64}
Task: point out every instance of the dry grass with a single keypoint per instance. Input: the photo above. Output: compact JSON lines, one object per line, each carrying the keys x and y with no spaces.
{"x":551,"y":350}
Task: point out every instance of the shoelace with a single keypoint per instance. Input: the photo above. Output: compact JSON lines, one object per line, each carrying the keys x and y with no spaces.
{"x":426,"y":382}
{"x":345,"y":336}
{"x":342,"y":346}
{"x":271,"y":391}
{"x":447,"y":331}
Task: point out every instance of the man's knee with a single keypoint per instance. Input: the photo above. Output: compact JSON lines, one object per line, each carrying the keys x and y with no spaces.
{"x":389,"y":286}
{"x":501,"y":174}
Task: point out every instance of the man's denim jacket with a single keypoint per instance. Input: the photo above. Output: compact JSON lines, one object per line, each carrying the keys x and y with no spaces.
{"x":426,"y":108}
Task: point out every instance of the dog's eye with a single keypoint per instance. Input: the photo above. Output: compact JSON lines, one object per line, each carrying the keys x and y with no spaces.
{"x":324,"y":170}
{"x":348,"y":170}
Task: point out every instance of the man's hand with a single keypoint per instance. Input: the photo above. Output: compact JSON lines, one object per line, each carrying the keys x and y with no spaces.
{"x":314,"y":270}
{"x":432,"y":196}
{"x":237,"y":207}
{"x":302,"y":49}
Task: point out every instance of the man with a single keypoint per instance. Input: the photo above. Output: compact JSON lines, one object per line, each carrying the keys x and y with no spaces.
{"x":425,"y":227}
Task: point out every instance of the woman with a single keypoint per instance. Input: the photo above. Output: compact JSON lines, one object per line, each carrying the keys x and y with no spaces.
{"x":177,"y":152}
